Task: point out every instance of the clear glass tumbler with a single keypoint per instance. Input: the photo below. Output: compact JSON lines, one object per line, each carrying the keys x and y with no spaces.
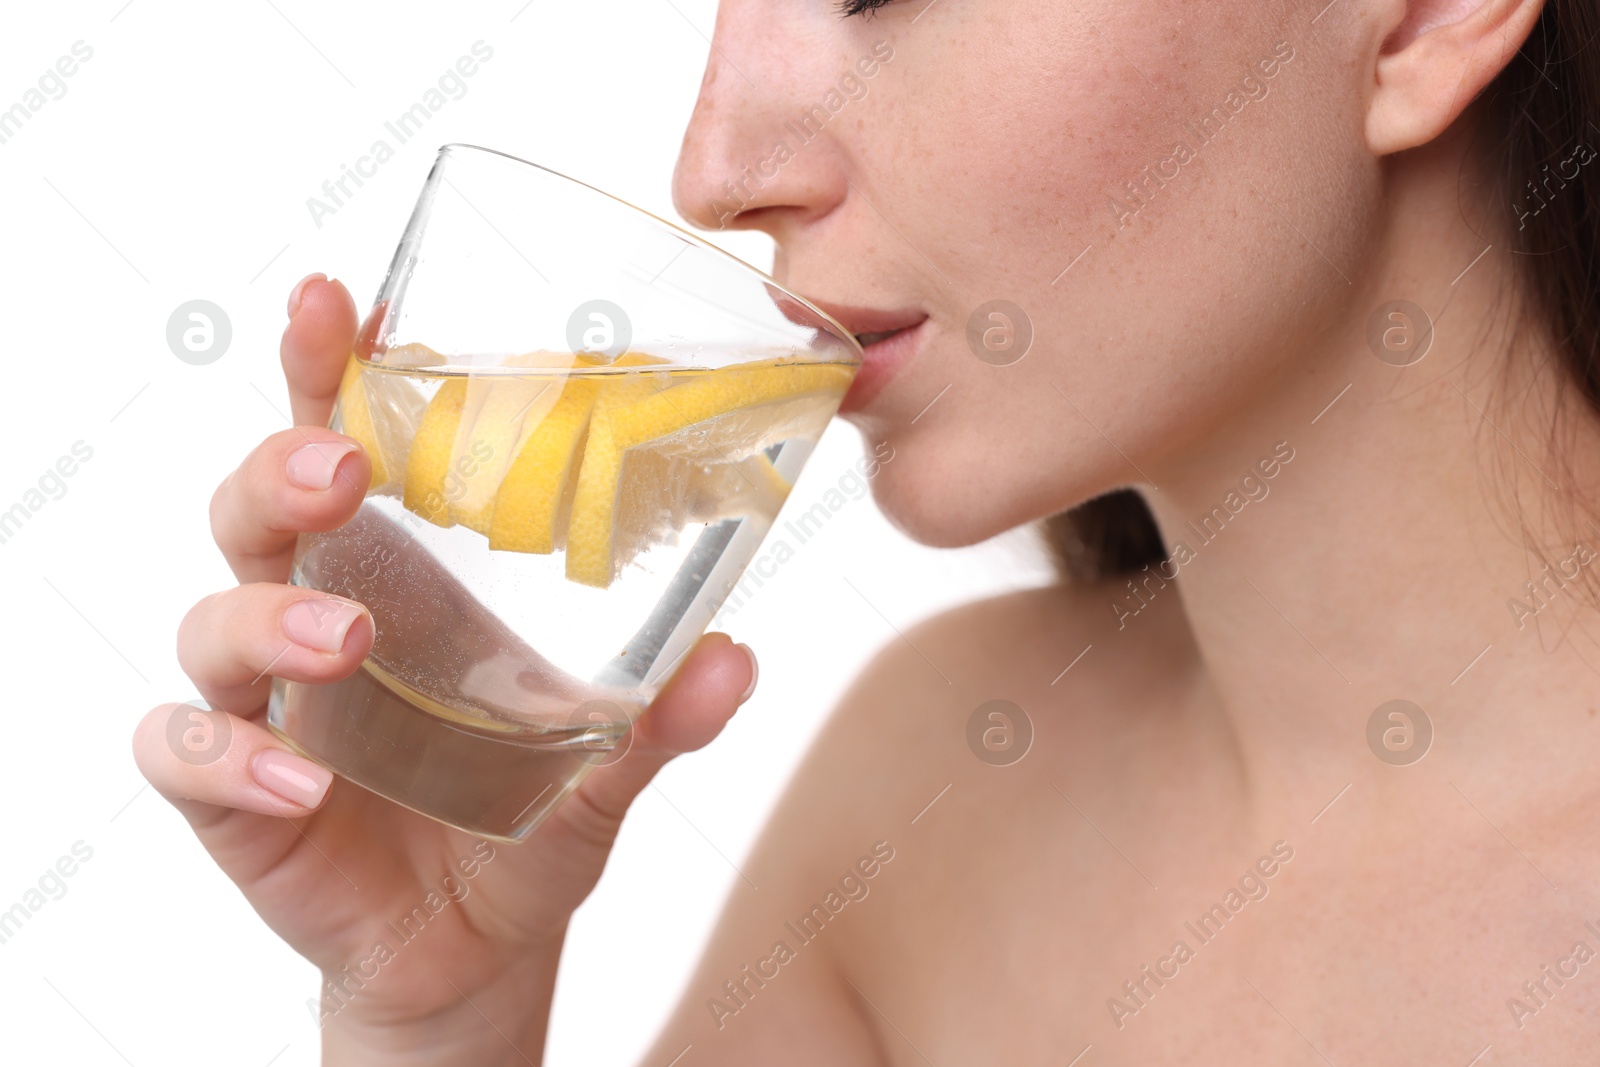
{"x":582,"y":421}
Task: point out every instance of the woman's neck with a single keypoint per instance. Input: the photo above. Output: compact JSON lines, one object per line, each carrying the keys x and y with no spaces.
{"x":1361,"y":535}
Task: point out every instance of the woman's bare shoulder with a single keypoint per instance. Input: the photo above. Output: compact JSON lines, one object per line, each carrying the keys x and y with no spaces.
{"x":1064,"y":646}
{"x":942,"y":728}
{"x":1008,"y":693}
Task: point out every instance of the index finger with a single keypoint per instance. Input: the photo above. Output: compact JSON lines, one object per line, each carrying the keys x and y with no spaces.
{"x":316,"y":346}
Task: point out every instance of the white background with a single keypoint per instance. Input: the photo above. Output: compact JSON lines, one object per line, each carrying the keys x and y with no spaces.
{"x":177,"y":166}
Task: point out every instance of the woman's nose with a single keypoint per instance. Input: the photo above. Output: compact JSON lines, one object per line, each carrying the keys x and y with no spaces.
{"x":753,"y":155}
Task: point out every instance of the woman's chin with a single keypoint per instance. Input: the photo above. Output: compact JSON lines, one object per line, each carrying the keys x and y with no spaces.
{"x":934,"y":509}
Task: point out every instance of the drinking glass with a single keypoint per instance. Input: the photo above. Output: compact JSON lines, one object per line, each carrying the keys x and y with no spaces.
{"x":582,"y":421}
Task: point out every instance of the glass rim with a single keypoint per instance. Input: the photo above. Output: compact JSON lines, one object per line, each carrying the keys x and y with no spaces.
{"x":678,"y":231}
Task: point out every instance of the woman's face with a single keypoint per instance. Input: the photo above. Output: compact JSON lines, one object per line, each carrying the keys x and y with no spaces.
{"x":1174,"y":199}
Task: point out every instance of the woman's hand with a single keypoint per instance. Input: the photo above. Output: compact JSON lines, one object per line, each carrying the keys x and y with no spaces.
{"x":333,"y":868}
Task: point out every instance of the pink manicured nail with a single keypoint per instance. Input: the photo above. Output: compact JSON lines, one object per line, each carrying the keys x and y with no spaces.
{"x":297,"y":780}
{"x":294,"y":294}
{"x":320,"y":622}
{"x":755,"y":673}
{"x":313,"y":466}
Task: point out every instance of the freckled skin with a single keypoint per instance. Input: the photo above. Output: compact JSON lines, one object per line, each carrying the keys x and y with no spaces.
{"x":1219,"y":317}
{"x":1036,"y":118}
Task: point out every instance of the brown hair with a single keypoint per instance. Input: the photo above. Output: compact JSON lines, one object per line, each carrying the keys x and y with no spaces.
{"x":1542,"y":112}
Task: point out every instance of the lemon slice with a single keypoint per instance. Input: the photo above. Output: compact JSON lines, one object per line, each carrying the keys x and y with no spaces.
{"x":659,"y":495}
{"x":734,"y":432}
{"x":428,"y":467}
{"x":496,"y":410}
{"x":496,"y":420}
{"x":526,"y":506}
{"x":381,"y":412}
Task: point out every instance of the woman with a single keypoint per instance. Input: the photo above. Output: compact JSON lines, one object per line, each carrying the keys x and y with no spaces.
{"x":1311,"y":282}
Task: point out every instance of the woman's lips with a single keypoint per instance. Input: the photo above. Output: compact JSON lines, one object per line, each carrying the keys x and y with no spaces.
{"x":888,"y":339}
{"x":882,"y":359}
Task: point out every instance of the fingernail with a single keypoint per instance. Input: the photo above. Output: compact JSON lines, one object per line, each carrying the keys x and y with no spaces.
{"x":297,"y":780}
{"x":755,"y":673}
{"x":313,"y":466}
{"x":320,"y":622}
{"x":294,"y":294}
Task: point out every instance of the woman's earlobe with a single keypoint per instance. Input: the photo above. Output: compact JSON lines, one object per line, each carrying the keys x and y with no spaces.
{"x":1436,"y":62}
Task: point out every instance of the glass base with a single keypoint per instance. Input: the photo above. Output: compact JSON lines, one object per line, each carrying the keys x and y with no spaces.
{"x":489,"y":779}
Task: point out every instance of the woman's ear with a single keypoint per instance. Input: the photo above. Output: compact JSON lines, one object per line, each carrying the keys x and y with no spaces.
{"x":1440,"y":56}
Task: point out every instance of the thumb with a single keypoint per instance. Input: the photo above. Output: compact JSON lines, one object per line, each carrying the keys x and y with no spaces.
{"x":716,"y":678}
